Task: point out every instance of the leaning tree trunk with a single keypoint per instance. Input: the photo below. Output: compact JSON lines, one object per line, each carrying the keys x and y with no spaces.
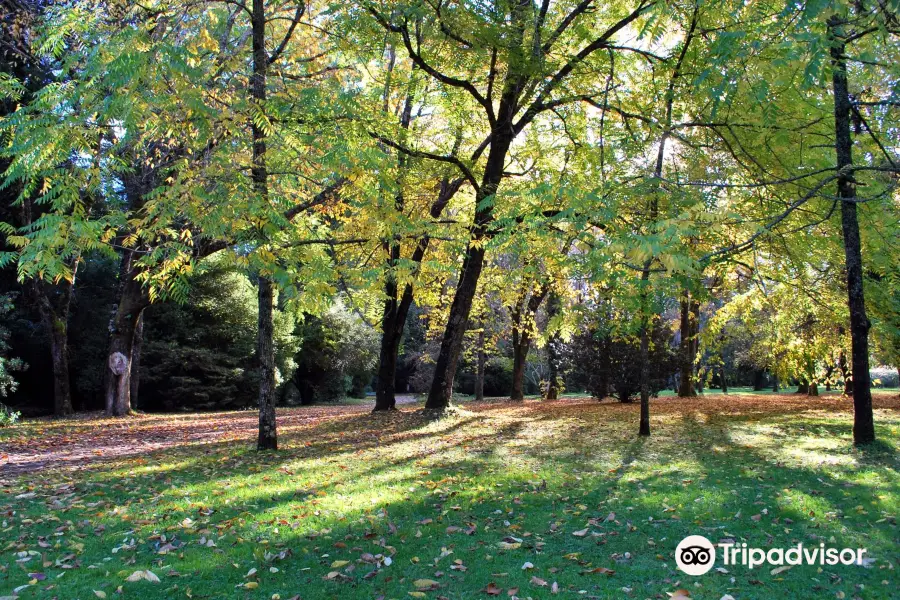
{"x":441,"y":391}
{"x":863,"y":419}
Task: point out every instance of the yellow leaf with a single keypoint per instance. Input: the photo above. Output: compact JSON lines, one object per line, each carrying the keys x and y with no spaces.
{"x":99,"y":594}
{"x":339,"y":563}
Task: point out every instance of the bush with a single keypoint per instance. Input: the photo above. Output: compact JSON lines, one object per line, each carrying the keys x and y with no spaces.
{"x":604,"y":365}
{"x":337,"y":357}
{"x":8,"y":417}
{"x":202,"y":354}
{"x":8,"y":365}
{"x":884,"y":377}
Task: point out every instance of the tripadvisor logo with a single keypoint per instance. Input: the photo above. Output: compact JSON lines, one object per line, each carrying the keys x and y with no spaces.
{"x":696,"y":555}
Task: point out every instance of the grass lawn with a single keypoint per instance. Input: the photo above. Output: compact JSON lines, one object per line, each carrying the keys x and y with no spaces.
{"x":356,"y":505}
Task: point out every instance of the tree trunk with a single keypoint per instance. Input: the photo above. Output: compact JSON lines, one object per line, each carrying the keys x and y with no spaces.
{"x":520,"y":357}
{"x":265,"y":346}
{"x":53,"y":306}
{"x":391,"y":332}
{"x":775,"y":383}
{"x":136,"y":347}
{"x":812,"y":389}
{"x":59,"y":350}
{"x":759,"y":377}
{"x":724,"y":381}
{"x":553,"y":383}
{"x":644,"y":426}
{"x":441,"y":391}
{"x":803,"y":388}
{"x":133,"y":299}
{"x":265,"y":352}
{"x":845,"y":374}
{"x":687,"y":347}
{"x":479,"y":375}
{"x":863,"y":419}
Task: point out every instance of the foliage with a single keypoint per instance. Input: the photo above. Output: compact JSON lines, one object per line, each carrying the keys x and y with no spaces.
{"x":201,"y":354}
{"x":8,"y":365}
{"x":337,"y":356}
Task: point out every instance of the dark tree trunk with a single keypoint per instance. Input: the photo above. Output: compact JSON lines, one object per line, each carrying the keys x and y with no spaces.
{"x":812,"y":389}
{"x":53,"y":306}
{"x":863,"y":419}
{"x":724,"y":381}
{"x":473,"y":262}
{"x":775,"y":383}
{"x":688,"y":352}
{"x":391,"y":333}
{"x":479,"y":375}
{"x":265,"y":353}
{"x":553,"y":383}
{"x":523,"y":319}
{"x":136,"y":347}
{"x":520,"y":357}
{"x":803,"y":388}
{"x":759,"y":380}
{"x":265,"y":343}
{"x":644,"y":426}
{"x":133,"y":299}
{"x":845,"y":374}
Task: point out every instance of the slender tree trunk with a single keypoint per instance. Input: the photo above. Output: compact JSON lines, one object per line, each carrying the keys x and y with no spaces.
{"x":553,"y":383}
{"x":265,"y":352}
{"x":479,"y":374}
{"x":724,"y":381}
{"x":644,"y":426}
{"x":688,"y":353}
{"x":265,"y":343}
{"x":863,"y":419}
{"x":775,"y":383}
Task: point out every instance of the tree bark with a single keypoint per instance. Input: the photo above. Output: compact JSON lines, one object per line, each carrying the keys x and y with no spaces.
{"x":133,"y":299}
{"x":689,"y":308}
{"x":775,"y":383}
{"x":863,"y":419}
{"x":441,"y":391}
{"x":53,"y":306}
{"x":724,"y":381}
{"x":265,"y":352}
{"x":523,"y":319}
{"x":265,"y":344}
{"x":553,"y":383}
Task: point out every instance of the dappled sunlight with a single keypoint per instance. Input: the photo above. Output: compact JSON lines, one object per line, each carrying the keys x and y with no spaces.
{"x":568,"y":478}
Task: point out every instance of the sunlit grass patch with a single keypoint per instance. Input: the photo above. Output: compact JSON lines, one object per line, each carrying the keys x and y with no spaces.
{"x":362,"y":506}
